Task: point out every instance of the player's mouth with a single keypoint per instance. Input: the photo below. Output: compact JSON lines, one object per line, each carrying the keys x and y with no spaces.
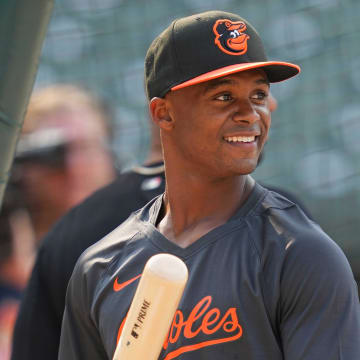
{"x":240,"y":139}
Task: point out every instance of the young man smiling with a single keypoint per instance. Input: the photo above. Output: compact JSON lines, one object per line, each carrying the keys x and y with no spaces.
{"x":265,"y":282}
{"x":210,"y":148}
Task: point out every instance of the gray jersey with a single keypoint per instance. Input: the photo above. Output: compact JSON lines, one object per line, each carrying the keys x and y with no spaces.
{"x":267,"y":284}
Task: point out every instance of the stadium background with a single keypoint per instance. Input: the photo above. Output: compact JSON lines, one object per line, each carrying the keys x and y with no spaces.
{"x":313,"y":151}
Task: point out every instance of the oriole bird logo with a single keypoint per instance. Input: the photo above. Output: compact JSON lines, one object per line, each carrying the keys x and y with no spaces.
{"x":230,"y":36}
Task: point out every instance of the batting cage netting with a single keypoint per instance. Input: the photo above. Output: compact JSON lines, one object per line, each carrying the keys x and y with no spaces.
{"x":314,"y":146}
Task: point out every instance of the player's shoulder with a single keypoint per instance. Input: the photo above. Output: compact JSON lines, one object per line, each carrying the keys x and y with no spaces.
{"x":288,"y":242}
{"x":274,"y":205}
{"x":122,"y":242}
{"x":280,"y":220}
{"x":284,"y":229}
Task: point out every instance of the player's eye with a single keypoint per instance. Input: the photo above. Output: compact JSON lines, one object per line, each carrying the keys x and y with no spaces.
{"x":260,"y":95}
{"x":224,"y":97}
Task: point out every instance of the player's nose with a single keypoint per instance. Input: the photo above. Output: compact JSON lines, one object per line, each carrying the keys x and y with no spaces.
{"x":245,"y":112}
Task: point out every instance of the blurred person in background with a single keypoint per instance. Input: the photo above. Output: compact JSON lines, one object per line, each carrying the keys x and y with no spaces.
{"x":62,"y":157}
{"x":63,"y":154}
{"x":37,"y":330}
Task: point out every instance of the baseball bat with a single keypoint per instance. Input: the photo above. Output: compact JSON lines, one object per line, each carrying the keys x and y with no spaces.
{"x":152,"y":309}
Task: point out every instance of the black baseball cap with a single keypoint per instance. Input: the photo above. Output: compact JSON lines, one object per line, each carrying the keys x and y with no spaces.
{"x":206,"y":46}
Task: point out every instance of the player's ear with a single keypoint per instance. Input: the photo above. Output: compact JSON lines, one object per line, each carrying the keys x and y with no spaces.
{"x":160,"y":115}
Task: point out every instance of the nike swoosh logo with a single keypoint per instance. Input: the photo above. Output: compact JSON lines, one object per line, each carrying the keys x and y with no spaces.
{"x":118,"y":287}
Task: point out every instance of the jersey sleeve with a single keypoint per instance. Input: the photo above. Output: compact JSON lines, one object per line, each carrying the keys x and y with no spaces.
{"x":80,"y":338}
{"x":319,"y":311}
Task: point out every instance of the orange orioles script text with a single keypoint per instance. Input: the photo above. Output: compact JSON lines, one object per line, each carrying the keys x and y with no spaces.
{"x":211,"y":322}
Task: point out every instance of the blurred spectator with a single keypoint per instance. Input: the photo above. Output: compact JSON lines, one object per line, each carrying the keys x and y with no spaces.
{"x":63,"y":154}
{"x":62,"y":157}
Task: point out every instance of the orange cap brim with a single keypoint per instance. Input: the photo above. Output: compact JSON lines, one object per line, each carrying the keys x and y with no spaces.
{"x":289,"y":70}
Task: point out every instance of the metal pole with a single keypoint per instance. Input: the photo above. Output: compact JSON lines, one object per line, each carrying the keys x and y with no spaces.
{"x":23,"y":25}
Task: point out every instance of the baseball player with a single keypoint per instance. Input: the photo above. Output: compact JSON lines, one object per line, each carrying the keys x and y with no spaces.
{"x":265,"y":282}
{"x":43,"y":302}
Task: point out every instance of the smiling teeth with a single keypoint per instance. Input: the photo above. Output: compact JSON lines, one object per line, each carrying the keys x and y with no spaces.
{"x":240,"y":139}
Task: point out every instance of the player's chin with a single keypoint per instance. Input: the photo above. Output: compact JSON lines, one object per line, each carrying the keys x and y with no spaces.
{"x":245,"y":166}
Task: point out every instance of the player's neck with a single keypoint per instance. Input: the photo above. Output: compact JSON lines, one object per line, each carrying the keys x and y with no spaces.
{"x":192,"y":208}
